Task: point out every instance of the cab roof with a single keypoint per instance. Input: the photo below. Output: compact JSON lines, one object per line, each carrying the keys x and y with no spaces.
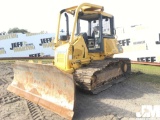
{"x":86,"y":9}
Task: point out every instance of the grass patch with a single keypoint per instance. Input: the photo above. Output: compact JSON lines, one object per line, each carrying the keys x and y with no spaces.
{"x":150,"y":74}
{"x":147,"y":69}
{"x":148,"y":78}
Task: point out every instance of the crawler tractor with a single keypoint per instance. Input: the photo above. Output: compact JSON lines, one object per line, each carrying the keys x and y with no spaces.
{"x":83,"y":58}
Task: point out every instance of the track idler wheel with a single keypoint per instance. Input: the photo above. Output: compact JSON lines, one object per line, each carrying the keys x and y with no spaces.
{"x":124,"y":67}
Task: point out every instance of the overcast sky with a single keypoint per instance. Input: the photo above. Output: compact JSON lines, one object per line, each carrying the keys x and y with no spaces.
{"x":41,"y":15}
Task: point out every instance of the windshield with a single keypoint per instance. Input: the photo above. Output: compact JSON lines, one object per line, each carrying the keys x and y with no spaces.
{"x":95,"y":27}
{"x":89,"y":26}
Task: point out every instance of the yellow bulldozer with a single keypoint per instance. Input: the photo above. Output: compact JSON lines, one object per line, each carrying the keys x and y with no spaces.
{"x":83,"y":57}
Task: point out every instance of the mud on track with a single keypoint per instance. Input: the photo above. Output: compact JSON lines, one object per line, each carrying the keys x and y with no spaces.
{"x":119,"y":102}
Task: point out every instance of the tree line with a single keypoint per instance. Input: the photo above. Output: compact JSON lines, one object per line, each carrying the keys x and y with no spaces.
{"x":15,"y":30}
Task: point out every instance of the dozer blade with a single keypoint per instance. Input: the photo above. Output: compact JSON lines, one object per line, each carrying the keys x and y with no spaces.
{"x":46,"y":86}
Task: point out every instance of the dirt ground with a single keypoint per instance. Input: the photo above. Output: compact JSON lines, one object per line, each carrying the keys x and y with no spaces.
{"x":119,"y":102}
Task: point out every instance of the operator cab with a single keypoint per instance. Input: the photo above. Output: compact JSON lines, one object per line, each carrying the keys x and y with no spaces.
{"x":93,"y":28}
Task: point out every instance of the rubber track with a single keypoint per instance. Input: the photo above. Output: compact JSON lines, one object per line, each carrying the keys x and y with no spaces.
{"x":84,"y":75}
{"x":35,"y":111}
{"x":3,"y":81}
{"x":39,"y":113}
{"x":9,"y":98}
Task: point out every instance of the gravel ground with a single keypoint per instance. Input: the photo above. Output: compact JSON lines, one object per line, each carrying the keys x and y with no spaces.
{"x":119,"y":102}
